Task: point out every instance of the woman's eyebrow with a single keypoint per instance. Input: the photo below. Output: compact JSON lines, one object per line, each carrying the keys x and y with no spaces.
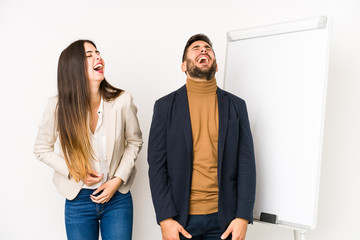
{"x":91,"y":51}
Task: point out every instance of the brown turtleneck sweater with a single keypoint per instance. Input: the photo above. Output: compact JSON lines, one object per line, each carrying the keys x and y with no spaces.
{"x":204,"y":117}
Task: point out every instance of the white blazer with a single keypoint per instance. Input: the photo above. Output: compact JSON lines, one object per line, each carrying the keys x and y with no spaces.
{"x":123,"y":144}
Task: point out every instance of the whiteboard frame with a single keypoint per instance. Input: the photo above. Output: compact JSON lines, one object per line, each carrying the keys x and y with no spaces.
{"x":284,"y":28}
{"x":280,"y":28}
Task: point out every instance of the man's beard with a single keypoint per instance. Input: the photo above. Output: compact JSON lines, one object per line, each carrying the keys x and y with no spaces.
{"x":196,"y":72}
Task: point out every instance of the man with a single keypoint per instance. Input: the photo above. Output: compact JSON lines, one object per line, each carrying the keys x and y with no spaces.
{"x":201,"y":156}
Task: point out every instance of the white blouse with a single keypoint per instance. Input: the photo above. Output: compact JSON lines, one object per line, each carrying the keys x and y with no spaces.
{"x":98,"y":143}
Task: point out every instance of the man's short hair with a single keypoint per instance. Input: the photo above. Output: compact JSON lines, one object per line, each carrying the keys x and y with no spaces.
{"x":194,"y":38}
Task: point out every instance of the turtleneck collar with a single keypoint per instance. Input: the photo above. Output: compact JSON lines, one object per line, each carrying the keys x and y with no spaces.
{"x":203,"y":87}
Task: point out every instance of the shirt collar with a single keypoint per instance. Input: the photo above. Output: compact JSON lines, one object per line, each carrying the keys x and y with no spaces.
{"x":100,"y":111}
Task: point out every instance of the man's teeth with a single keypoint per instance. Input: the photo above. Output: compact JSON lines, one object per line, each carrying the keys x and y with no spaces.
{"x":98,"y":67}
{"x":201,"y":59}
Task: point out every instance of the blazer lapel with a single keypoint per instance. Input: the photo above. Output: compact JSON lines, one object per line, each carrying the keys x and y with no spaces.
{"x":110,"y":129}
{"x":184,"y":117}
{"x":223,"y":105}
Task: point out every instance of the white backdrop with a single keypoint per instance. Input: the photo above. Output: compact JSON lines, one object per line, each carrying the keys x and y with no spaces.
{"x":142,"y":43}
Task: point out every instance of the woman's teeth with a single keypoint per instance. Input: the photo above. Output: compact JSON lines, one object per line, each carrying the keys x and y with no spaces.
{"x":98,"y":67}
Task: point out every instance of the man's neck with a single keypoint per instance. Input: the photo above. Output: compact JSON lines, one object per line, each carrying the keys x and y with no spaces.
{"x":197,"y":79}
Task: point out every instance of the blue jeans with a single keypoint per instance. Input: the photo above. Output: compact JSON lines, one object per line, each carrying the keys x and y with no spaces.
{"x":83,"y":217}
{"x":203,"y":227}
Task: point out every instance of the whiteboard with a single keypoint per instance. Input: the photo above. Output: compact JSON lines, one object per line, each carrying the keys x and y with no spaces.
{"x":280,"y":71}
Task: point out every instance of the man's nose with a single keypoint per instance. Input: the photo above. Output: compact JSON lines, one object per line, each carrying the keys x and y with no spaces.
{"x":203,"y":50}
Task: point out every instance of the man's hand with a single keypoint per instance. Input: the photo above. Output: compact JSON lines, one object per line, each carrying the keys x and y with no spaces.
{"x":170,"y":230}
{"x":109,"y":188}
{"x":92,"y":178}
{"x":237,"y":228}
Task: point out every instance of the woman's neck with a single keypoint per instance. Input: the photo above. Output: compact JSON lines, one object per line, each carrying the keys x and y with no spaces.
{"x":95,"y":97}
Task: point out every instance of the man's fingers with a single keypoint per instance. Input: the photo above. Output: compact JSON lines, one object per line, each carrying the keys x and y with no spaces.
{"x":171,"y":229}
{"x":185,"y":233}
{"x":226,"y":233}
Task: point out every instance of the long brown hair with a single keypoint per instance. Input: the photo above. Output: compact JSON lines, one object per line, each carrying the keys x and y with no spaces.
{"x":74,"y":107}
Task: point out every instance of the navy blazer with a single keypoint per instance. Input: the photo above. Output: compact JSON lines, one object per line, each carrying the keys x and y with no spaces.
{"x":170,"y":158}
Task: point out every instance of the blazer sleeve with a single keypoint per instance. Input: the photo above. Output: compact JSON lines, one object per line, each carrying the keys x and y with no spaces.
{"x":246,"y":169}
{"x":133,"y":140}
{"x":46,"y":137}
{"x":158,"y":174}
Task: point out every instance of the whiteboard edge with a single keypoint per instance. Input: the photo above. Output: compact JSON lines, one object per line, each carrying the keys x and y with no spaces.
{"x":226,"y":63}
{"x":288,"y":225}
{"x":329,"y":31}
{"x":278,"y":28}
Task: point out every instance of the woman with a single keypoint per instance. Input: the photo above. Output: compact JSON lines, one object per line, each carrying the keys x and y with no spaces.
{"x":100,"y":139}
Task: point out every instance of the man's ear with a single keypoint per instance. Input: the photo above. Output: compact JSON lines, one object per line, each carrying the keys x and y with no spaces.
{"x":183,"y":67}
{"x":216,"y":68}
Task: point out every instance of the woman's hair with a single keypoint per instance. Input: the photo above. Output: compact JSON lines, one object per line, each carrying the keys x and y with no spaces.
{"x":74,"y":107}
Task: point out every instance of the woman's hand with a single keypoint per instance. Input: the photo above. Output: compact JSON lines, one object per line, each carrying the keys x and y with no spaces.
{"x":109,"y":188}
{"x":92,"y":178}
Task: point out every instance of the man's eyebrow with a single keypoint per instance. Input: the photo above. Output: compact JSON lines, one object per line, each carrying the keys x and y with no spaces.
{"x":206,"y":45}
